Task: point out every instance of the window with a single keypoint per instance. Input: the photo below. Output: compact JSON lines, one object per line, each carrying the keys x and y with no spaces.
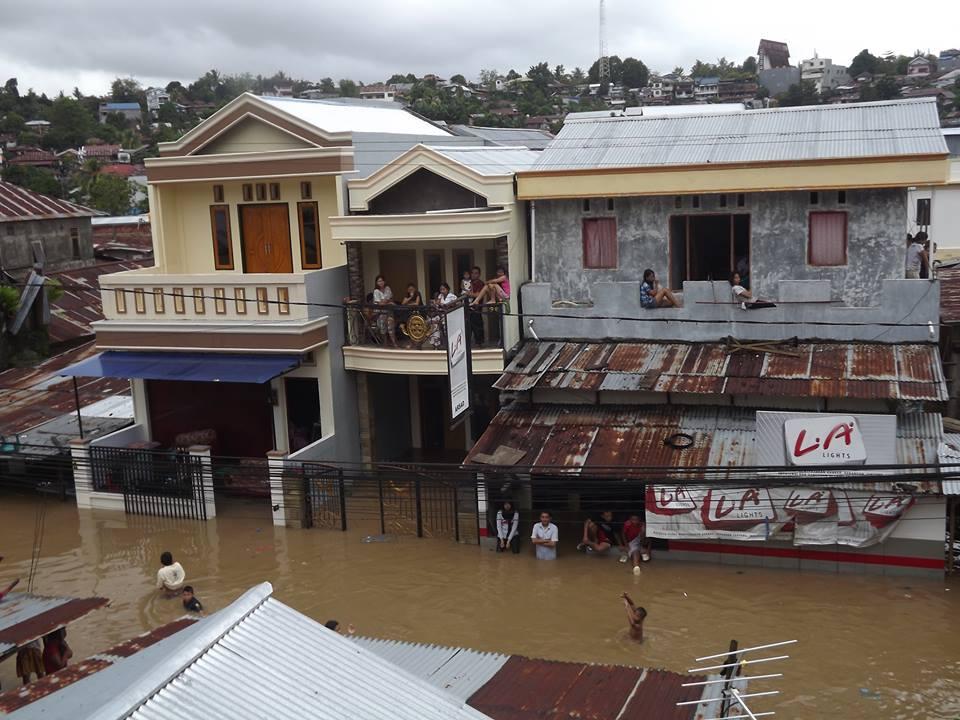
{"x":814,"y":198}
{"x":248,"y":193}
{"x":75,"y":242}
{"x":274,"y":191}
{"x":678,"y":202}
{"x":923,"y":211}
{"x":309,"y":235}
{"x":261,"y":191}
{"x":158,"y":305}
{"x":609,"y":204}
{"x":841,"y":197}
{"x":222,"y":242}
{"x":178,"y":302}
{"x":306,"y":191}
{"x":696,"y":202}
{"x":218,"y":193}
{"x":600,"y":243}
{"x":586,"y":206}
{"x":741,"y":199}
{"x":828,"y":239}
{"x":120,"y":299}
{"x":723,"y":201}
{"x":240,"y":300}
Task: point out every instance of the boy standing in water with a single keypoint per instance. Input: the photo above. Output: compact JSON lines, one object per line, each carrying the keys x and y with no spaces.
{"x":170,"y":576}
{"x":635,"y":616}
{"x":190,"y":601}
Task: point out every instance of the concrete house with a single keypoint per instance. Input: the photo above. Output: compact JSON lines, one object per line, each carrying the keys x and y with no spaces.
{"x":823,"y":73}
{"x":424,"y":219}
{"x":232,"y":340}
{"x":602,"y":385}
{"x":129,"y":110}
{"x":919,"y":67}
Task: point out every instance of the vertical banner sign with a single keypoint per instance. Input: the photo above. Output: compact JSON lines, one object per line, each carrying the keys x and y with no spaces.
{"x":458,"y":370}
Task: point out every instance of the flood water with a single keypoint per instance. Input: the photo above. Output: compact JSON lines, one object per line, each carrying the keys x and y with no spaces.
{"x":870,"y":647}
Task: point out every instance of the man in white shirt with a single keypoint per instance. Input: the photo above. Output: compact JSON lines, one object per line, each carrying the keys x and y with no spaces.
{"x":170,"y":576}
{"x":916,"y":255}
{"x":544,"y":537}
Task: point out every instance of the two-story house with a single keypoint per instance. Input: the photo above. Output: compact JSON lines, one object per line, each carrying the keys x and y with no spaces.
{"x":823,"y":73}
{"x":806,"y":205}
{"x":422,"y":221}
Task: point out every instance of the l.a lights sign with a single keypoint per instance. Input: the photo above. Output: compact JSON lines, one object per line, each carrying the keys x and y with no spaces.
{"x":831,"y":440}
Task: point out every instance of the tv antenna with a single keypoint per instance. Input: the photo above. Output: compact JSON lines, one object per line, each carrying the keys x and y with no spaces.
{"x":603,"y":70}
{"x":725,"y":689}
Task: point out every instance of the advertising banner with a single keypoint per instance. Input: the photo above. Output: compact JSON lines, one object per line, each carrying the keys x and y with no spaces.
{"x":458,"y":362}
{"x":803,"y":515}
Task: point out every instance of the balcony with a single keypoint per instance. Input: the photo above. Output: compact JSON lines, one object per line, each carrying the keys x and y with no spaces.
{"x":212,"y":311}
{"x":411,"y":340}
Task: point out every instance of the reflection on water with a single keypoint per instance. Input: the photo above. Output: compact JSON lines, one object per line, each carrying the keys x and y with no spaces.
{"x":871,"y":647}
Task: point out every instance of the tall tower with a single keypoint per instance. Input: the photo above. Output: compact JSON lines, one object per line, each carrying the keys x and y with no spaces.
{"x":604,"y":69}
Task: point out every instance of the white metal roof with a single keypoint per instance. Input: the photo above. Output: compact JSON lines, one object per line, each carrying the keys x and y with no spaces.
{"x":121,"y":220}
{"x":256,"y":658}
{"x":491,"y":161}
{"x":458,"y":671}
{"x":822,"y":132}
{"x":531,"y":138}
{"x":335,"y":117}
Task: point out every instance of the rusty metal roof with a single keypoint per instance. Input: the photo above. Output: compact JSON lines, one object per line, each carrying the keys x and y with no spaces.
{"x":827,"y":370}
{"x":21,"y":697}
{"x":30,"y":396}
{"x":25,"y":617}
{"x":18,"y":203}
{"x":72,"y":313}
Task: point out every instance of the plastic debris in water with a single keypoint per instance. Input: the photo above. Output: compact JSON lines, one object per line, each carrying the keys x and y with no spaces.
{"x":869,"y":694}
{"x":376,"y":538}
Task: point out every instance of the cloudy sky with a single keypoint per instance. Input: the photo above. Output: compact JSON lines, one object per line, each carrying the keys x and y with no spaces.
{"x":54,"y":44}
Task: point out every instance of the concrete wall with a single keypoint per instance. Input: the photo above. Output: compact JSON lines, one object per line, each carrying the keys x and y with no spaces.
{"x":16,"y":253}
{"x":778,"y":240}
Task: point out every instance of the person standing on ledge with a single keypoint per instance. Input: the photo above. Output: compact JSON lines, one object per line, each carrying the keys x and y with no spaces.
{"x":544,"y":537}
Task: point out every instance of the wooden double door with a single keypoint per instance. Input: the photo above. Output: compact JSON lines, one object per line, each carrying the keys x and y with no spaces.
{"x":265,"y":237}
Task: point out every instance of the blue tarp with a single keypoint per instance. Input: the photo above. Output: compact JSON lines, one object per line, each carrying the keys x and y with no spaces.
{"x":200,"y":367}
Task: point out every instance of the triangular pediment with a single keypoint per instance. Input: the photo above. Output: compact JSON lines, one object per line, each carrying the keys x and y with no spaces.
{"x":423,"y":191}
{"x":252,"y":134}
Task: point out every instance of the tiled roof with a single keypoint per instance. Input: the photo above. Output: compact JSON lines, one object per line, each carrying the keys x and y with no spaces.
{"x":825,"y":370}
{"x":99,"y":151}
{"x":18,"y":203}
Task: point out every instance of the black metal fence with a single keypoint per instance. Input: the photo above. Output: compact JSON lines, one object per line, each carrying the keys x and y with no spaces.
{"x":324,"y":497}
{"x":163,"y":483}
{"x":419,"y":327}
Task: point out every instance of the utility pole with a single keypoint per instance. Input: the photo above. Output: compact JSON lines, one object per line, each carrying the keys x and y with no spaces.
{"x":603,"y":71}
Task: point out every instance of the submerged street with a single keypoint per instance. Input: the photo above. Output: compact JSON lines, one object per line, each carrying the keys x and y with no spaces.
{"x":870,"y":647}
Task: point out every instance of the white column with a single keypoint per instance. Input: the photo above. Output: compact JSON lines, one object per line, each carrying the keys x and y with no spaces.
{"x":206,"y":477}
{"x":82,"y":471}
{"x":276,"y":462}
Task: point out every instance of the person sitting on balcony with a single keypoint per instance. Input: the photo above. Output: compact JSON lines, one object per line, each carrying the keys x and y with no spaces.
{"x":465,"y":283}
{"x":443,"y":301}
{"x":917,"y":258}
{"x":477,"y":286}
{"x":411,"y":300}
{"x":745,"y":297}
{"x":496,"y":290}
{"x":652,"y":295}
{"x":383,"y":298}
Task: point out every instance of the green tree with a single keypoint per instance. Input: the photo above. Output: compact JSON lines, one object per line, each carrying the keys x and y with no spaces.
{"x":560,"y":73}
{"x":126,"y":90}
{"x":578,"y":76}
{"x":348,"y":88}
{"x":488,"y":79}
{"x":401,"y":78}
{"x":863,"y":62}
{"x":11,"y":88}
{"x":458,"y":79}
{"x":512,"y":74}
{"x":883,"y":88}
{"x":12,"y":122}
{"x":39,"y":180}
{"x":111,"y":193}
{"x":540,"y":75}
{"x":805,"y":93}
{"x":70,"y":123}
{"x":616,"y":70}
{"x":749,"y":66}
{"x":634,"y":74}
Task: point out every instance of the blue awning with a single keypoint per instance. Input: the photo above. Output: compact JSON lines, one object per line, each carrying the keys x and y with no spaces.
{"x":199,"y":367}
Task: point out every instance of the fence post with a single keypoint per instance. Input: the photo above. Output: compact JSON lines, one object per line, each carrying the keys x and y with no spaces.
{"x":416,"y":488}
{"x":383,"y":526}
{"x":202,"y":454}
{"x":82,"y":471}
{"x":341,"y":490}
{"x":456,"y":511}
{"x":276,"y":461}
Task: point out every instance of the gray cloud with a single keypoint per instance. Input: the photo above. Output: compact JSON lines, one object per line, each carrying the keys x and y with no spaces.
{"x":49,"y":47}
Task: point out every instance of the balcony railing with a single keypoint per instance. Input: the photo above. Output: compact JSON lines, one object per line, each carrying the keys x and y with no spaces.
{"x":419,"y":327}
{"x":138,"y":296}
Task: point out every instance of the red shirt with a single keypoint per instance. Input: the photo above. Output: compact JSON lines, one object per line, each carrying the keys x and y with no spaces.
{"x":53,"y":657}
{"x":476,"y":286}
{"x":631,"y":531}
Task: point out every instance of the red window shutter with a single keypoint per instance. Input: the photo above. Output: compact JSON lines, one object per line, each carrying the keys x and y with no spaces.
{"x":828,"y":239}
{"x":600,"y":243}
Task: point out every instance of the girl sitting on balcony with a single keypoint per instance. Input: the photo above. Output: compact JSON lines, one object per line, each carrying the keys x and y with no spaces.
{"x":496,"y":290}
{"x":383,"y":296}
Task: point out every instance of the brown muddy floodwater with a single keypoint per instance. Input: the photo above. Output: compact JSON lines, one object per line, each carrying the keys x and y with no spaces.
{"x":870,"y":647}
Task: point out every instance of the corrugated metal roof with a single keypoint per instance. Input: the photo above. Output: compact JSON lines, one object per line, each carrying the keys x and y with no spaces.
{"x":948,"y":455}
{"x":519,"y":137}
{"x":25,"y":617}
{"x":827,"y":370}
{"x":949,"y":294}
{"x":458,"y":671}
{"x":336,"y":117}
{"x":822,"y":132}
{"x":248,"y":660}
{"x":18,"y":203}
{"x":491,"y":161}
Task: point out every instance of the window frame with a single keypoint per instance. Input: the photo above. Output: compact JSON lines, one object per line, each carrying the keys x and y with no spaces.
{"x":616,"y":243}
{"x":217,"y":265}
{"x":303,"y":244}
{"x":846,"y":237}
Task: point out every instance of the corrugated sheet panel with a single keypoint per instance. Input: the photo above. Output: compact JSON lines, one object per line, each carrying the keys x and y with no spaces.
{"x":18,"y":203}
{"x":825,"y":370}
{"x":517,"y":137}
{"x":458,"y":671}
{"x":948,"y":456}
{"x":25,"y":617}
{"x":823,"y":132}
{"x":335,"y":117}
{"x":490,"y":160}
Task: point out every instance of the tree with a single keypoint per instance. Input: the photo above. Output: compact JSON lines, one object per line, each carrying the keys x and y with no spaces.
{"x":512,"y":74}
{"x":749,"y":66}
{"x":488,"y":79}
{"x":616,"y":69}
{"x":111,"y":193}
{"x":458,"y":79}
{"x":12,"y":122}
{"x":560,"y":73}
{"x":634,"y":74}
{"x":37,"y":179}
{"x":401,"y":78}
{"x":885,"y":88}
{"x":578,"y":76}
{"x":803,"y":94}
{"x":10,"y":87}
{"x":863,"y":62}
{"x":126,"y":90}
{"x":540,"y":75}
{"x":678,"y":70}
{"x":70,"y":123}
{"x":327,"y":86}
{"x":348,"y":88}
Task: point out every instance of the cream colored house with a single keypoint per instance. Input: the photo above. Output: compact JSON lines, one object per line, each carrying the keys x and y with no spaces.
{"x":233,"y":339}
{"x":422,"y":220}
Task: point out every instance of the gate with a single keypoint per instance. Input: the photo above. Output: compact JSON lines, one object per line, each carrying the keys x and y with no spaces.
{"x":168,"y":484}
{"x":324,"y":497}
{"x":412,"y":501}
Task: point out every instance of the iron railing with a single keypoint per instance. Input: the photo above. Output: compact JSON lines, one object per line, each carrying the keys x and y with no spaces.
{"x":419,"y":327}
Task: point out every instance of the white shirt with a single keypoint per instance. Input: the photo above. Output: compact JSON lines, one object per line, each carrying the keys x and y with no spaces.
{"x":507,"y":530}
{"x":171,"y":577}
{"x":913,"y":256}
{"x":550,"y":532}
{"x":446,"y":299}
{"x":738,"y":291}
{"x":381,"y":295}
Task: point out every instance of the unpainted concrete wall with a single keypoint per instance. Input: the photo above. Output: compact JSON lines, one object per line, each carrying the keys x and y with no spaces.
{"x":778,"y":240}
{"x":16,"y":253}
